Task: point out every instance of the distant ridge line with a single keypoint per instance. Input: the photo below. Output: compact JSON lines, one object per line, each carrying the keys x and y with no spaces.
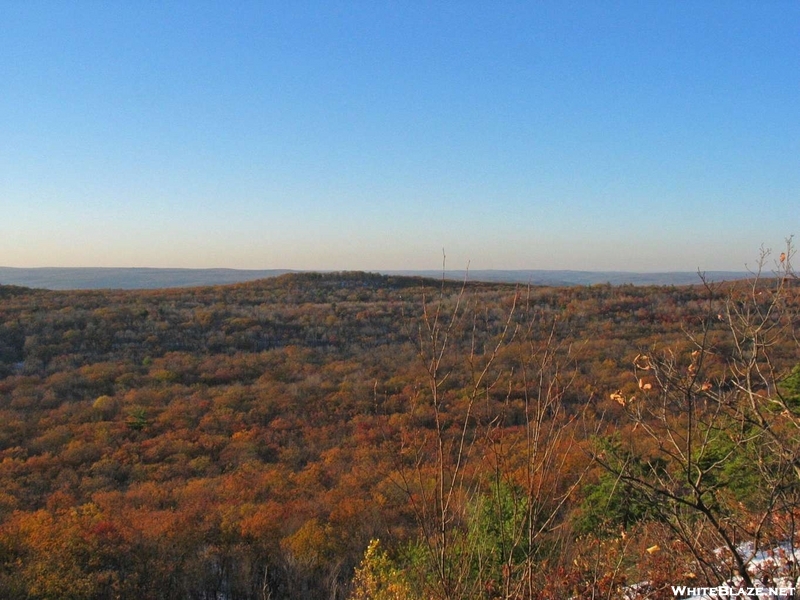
{"x":93,"y":278}
{"x":572,"y":278}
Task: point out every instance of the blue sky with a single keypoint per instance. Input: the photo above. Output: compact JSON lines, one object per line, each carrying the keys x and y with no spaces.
{"x":645,"y":136}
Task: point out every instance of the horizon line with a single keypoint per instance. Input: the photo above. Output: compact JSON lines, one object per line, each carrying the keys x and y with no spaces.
{"x":384,"y":270}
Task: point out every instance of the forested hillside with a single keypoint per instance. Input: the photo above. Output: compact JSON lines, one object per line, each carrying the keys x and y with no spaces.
{"x":353,"y":435}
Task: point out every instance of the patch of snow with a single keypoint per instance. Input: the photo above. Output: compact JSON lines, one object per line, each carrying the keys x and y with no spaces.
{"x":770,"y":570}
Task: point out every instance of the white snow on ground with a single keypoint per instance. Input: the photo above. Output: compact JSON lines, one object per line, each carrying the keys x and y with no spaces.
{"x":770,"y":570}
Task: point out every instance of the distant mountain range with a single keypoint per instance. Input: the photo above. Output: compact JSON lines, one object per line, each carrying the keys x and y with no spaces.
{"x":570,"y":278}
{"x":60,"y":278}
{"x":94,"y":278}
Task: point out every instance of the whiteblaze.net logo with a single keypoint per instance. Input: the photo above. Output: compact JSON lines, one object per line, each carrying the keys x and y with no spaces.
{"x":724,"y":591}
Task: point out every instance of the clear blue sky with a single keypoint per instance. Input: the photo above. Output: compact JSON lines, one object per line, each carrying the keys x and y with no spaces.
{"x":597,"y":135}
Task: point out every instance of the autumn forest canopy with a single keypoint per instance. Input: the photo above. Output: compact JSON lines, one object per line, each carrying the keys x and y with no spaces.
{"x":361,"y":436}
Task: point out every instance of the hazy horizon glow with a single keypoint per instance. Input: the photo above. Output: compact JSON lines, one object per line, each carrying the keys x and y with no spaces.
{"x":629,"y":136}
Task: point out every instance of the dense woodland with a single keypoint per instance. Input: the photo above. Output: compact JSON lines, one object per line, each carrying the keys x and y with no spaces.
{"x":361,"y":436}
